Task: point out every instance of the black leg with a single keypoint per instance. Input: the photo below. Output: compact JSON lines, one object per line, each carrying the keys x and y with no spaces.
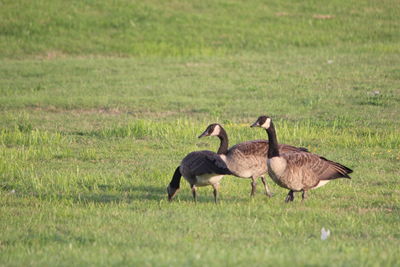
{"x":304,"y":195}
{"x":267,"y":191}
{"x":253,"y":187}
{"x":194,"y":193}
{"x":215,"y":192}
{"x":290,"y":196}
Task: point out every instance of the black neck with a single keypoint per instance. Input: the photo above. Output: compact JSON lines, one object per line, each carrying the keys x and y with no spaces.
{"x":223,"y":137}
{"x":273,"y":150}
{"x":176,"y":179}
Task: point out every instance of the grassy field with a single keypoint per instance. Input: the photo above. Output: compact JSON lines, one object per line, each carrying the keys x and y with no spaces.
{"x":100,"y":100}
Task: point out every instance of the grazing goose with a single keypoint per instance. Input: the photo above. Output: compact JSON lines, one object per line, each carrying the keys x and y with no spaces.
{"x":199,"y":168}
{"x":247,"y":159}
{"x":298,"y":171}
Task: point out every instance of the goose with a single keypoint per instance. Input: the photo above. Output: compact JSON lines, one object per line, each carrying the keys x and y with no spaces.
{"x":199,"y":168}
{"x":298,"y":171}
{"x":247,"y":159}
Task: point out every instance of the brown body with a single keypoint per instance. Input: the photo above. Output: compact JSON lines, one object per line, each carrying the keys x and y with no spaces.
{"x":247,"y":159}
{"x":298,"y":170}
{"x":302,"y":171}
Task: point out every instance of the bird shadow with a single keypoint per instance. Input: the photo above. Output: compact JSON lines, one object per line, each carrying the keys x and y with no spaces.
{"x":107,"y":194}
{"x":126,"y":194}
{"x":103,"y":194}
{"x":129,"y":194}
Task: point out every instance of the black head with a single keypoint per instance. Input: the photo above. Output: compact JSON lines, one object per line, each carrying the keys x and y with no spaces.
{"x":262,"y":121}
{"x":171,"y":192}
{"x":212,"y":130}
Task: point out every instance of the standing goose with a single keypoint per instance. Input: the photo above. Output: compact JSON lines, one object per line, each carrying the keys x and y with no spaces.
{"x":247,"y":159}
{"x":200,"y":168}
{"x":298,"y":171}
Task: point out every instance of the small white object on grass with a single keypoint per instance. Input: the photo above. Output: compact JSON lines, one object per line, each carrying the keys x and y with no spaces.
{"x":374,"y":93}
{"x":330,"y":61}
{"x":325,"y":233}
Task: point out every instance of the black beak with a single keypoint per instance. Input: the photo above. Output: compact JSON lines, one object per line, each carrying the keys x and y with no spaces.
{"x":203,"y":134}
{"x":256,"y":124}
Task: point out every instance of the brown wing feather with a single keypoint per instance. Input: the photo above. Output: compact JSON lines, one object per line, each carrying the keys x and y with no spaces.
{"x":288,"y":148}
{"x":260,"y":147}
{"x":255,"y":147}
{"x":335,"y":170}
{"x":323,"y":168}
{"x":204,"y":162}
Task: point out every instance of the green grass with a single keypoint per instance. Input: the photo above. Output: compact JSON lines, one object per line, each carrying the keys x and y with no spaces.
{"x":192,"y":28}
{"x":99,"y":102}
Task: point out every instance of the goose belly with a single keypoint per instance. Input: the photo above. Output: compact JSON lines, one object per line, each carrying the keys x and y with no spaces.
{"x":280,"y":174}
{"x":278,"y":179}
{"x":242,"y":173}
{"x":246,"y":167}
{"x":208,"y":179}
{"x":321,"y":183}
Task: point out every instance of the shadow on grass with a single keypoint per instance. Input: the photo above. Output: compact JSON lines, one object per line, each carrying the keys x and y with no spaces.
{"x":126,"y":194}
{"x":149,"y":193}
{"x":106,"y":194}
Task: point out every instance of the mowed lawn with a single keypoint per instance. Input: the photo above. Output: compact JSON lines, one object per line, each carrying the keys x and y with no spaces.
{"x":99,"y":102}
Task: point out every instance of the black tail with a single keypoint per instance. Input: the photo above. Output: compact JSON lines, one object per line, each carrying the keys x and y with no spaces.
{"x":346,"y":171}
{"x":342,"y":171}
{"x":173,"y":186}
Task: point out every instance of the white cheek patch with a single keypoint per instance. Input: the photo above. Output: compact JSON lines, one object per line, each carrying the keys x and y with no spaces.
{"x":216,"y":131}
{"x":267,"y":123}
